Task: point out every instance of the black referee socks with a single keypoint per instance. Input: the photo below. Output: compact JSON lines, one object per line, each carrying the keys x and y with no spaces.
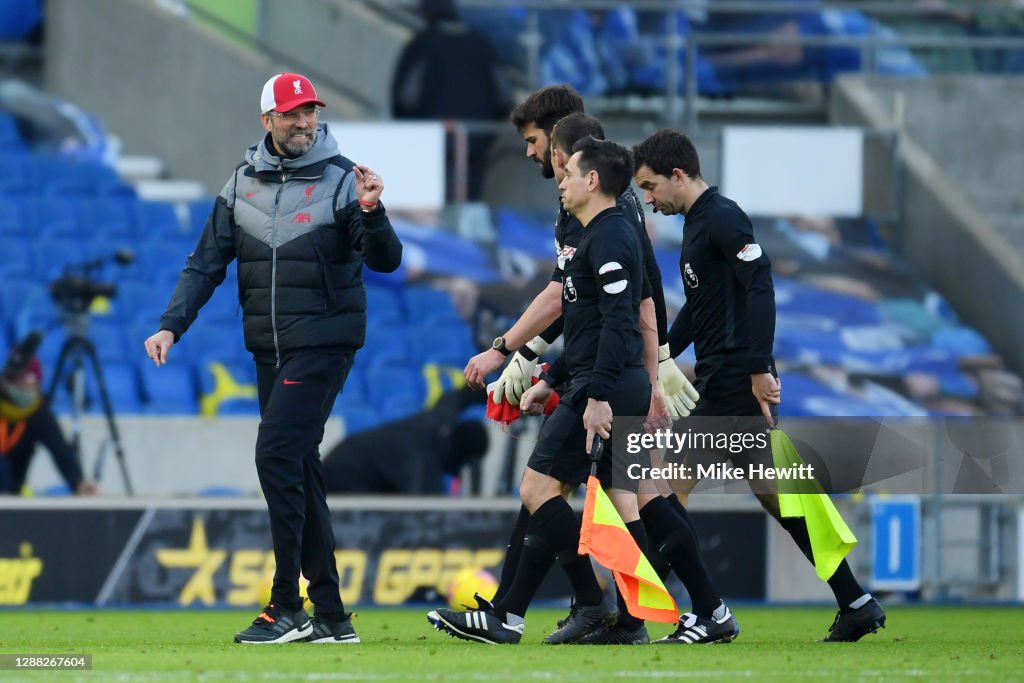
{"x":512,"y":553}
{"x":677,"y":505}
{"x":843,"y":583}
{"x":553,"y":530}
{"x":673,"y":537}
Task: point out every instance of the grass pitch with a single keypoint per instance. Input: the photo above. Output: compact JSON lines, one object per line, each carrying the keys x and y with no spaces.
{"x":775,"y":644}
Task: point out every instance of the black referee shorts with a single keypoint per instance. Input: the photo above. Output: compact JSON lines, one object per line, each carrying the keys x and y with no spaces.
{"x":561,"y":446}
{"x":727,"y":406}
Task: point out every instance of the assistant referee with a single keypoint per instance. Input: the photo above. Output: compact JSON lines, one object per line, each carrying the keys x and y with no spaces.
{"x":729,"y":317}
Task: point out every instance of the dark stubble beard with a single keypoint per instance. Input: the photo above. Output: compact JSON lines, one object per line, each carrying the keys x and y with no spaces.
{"x":546,"y":169}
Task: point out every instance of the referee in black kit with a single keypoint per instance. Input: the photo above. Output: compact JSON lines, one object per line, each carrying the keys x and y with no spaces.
{"x":604,"y":371}
{"x":729,"y":316}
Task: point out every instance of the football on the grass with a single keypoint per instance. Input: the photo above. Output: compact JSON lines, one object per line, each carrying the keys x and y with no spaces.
{"x":467,"y":582}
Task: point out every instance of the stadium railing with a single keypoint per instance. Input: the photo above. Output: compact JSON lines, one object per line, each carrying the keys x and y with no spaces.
{"x":852,"y":27}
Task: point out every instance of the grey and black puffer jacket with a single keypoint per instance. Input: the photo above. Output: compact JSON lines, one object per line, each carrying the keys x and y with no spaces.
{"x":301,"y":240}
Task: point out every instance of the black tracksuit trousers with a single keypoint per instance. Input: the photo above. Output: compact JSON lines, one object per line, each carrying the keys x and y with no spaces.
{"x":295,"y":402}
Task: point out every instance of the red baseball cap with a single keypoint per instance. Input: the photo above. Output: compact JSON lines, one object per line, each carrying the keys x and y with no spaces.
{"x":284,"y":92}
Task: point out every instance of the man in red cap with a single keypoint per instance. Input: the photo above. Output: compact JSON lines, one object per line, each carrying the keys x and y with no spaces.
{"x":302,"y":220}
{"x":26,"y":421}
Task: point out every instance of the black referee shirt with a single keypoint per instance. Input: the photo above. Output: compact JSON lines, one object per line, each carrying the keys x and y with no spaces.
{"x":568,"y":232}
{"x":729,"y":314}
{"x":601,"y":292}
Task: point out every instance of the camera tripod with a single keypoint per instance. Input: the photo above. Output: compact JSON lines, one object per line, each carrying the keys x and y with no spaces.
{"x":77,"y":347}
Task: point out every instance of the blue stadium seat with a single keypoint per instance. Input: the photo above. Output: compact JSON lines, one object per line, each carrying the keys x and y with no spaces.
{"x":18,"y":293}
{"x":10,"y":133}
{"x":14,"y":182}
{"x":352,"y":397}
{"x":429,"y":305}
{"x":400,"y":406}
{"x":503,"y":27}
{"x":61,"y":489}
{"x":383,"y":306}
{"x":357,"y":420}
{"x":139,"y":331}
{"x":572,"y":56}
{"x":140,"y":301}
{"x":198,"y":211}
{"x":63,"y":175}
{"x":26,"y":305}
{"x":15,"y":216}
{"x":111,"y":340}
{"x":221,"y":491}
{"x":161,"y":259}
{"x":223,"y":306}
{"x":213,"y":340}
{"x":54,"y":254}
{"x":170,"y":389}
{"x":122,"y":380}
{"x":57,"y":216}
{"x":526,"y":231}
{"x":386,"y":342}
{"x":17,"y":258}
{"x":110,"y":217}
{"x":392,"y":382}
{"x":446,"y":344}
{"x":18,"y":18}
{"x":157,"y":219}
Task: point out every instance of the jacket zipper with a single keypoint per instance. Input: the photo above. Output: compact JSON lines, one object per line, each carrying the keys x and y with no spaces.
{"x":273,"y":273}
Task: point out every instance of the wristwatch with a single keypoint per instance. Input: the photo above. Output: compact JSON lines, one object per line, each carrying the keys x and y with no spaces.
{"x":499,"y":345}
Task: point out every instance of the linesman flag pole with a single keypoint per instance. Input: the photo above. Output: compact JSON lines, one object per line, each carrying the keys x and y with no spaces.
{"x":605,"y":538}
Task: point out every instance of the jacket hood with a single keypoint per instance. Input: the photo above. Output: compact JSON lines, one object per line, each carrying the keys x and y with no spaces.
{"x":262,"y":158}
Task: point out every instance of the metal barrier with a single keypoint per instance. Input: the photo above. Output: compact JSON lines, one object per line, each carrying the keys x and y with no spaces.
{"x":683,"y":108}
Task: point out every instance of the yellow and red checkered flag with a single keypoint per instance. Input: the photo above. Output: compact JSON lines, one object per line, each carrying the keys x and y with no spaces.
{"x":604,"y":537}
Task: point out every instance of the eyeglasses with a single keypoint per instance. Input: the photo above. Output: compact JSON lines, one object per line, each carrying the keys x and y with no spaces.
{"x":293,"y":115}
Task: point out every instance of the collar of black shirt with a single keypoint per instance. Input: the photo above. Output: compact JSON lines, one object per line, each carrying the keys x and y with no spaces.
{"x":702,"y":202}
{"x":610,"y":211}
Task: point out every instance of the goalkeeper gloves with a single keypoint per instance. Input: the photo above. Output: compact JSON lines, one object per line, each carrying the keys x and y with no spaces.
{"x":680,"y":396}
{"x":517,"y":376}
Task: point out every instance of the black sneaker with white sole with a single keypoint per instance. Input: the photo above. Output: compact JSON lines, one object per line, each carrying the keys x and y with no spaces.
{"x":276,"y":625}
{"x":618,"y":634}
{"x":482,"y":603}
{"x":852,"y":625}
{"x":482,"y":626}
{"x":330,"y":631}
{"x":582,"y":621}
{"x":694,"y":630}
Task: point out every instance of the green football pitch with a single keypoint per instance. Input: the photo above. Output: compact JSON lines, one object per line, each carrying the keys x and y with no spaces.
{"x":777,"y":644}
